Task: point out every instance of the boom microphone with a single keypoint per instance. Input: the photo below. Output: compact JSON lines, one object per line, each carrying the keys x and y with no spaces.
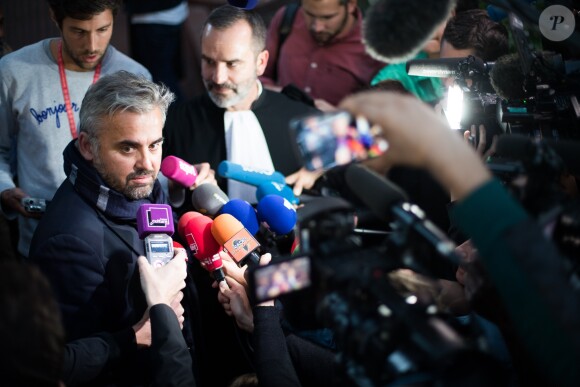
{"x":244,"y":212}
{"x":237,"y":172}
{"x":387,"y":201}
{"x":208,"y":199}
{"x":236,"y":240}
{"x":179,"y":171}
{"x":396,"y":30}
{"x":155,"y":227}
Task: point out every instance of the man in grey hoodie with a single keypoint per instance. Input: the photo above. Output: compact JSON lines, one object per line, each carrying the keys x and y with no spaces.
{"x":41,"y":89}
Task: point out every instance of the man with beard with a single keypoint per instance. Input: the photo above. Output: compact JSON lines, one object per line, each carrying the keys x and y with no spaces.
{"x":236,"y":120}
{"x":40,"y":96}
{"x":87,"y":243}
{"x":323,"y":53}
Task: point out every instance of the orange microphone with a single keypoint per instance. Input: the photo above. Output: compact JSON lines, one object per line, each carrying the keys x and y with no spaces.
{"x":236,"y":240}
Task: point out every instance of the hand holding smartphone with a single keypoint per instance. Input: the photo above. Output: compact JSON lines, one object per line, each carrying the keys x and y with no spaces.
{"x":325,"y":140}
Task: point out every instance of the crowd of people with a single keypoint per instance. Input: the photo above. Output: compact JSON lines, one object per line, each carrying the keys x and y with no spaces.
{"x":84,"y":129}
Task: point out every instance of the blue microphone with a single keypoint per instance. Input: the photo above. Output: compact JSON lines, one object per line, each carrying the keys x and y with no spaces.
{"x":244,"y":213}
{"x":237,"y":172}
{"x":277,"y":214}
{"x":244,"y":4}
{"x":272,"y":188}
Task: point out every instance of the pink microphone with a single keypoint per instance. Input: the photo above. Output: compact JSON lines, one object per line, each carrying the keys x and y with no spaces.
{"x":179,"y":171}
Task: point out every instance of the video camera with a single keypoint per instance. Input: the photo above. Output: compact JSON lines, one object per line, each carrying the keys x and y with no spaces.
{"x":383,"y":331}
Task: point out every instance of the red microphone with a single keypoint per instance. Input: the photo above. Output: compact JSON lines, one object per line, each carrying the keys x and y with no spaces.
{"x":184,"y":220}
{"x":236,"y":240}
{"x":202,"y":244}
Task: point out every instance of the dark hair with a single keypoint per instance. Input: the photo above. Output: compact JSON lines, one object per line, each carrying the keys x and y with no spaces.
{"x":226,"y":16}
{"x":31,"y":330}
{"x":81,"y":9}
{"x":473,"y":29}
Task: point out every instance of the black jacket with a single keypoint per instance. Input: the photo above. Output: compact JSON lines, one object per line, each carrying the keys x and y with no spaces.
{"x":89,"y":254}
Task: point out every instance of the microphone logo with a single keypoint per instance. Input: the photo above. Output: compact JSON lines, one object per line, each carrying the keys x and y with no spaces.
{"x":192,"y":243}
{"x":187,"y":168}
{"x":240,"y":243}
{"x":157,"y":217}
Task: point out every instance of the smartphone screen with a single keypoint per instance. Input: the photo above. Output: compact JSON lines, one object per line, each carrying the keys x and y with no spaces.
{"x":276,"y":279}
{"x":325,"y":140}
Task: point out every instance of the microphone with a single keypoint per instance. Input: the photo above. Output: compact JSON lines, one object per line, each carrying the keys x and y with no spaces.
{"x":507,"y":78}
{"x":155,"y":227}
{"x":388,"y":201}
{"x":272,"y":188}
{"x":279,"y":216}
{"x":520,"y":147}
{"x":185,"y":218}
{"x":233,"y":171}
{"x":208,"y":199}
{"x":244,"y":4}
{"x":396,"y":30}
{"x":179,"y":171}
{"x":236,"y":240}
{"x":203,"y":246}
{"x":244,"y":212}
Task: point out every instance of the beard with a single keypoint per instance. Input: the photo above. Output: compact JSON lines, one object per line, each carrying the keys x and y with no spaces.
{"x":77,"y":58}
{"x":129,"y":190}
{"x":323,"y":38}
{"x":240,"y":92}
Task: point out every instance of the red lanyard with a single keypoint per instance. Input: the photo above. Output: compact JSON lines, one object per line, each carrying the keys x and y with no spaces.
{"x":65,"y":92}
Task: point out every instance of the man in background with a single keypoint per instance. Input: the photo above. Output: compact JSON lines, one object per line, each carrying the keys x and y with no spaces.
{"x":40,"y":97}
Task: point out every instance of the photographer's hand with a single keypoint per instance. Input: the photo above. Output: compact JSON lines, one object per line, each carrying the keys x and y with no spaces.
{"x":418,"y":137}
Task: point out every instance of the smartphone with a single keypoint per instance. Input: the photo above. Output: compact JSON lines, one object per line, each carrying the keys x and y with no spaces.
{"x":34,"y":205}
{"x":325,"y":140}
{"x":279,"y":278}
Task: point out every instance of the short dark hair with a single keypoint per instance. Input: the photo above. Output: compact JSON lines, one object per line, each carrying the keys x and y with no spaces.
{"x":31,"y":330}
{"x":473,"y":29}
{"x":226,"y":16}
{"x":81,"y":9}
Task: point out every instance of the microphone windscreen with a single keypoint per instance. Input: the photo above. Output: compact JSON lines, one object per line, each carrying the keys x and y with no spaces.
{"x":277,"y":213}
{"x":272,"y":188}
{"x":224,"y":227}
{"x":198,"y":235}
{"x":244,"y":212}
{"x":245,"y":4}
{"x":514,"y":147}
{"x":375,"y":191}
{"x":396,"y":30}
{"x":184,"y":220}
{"x":179,"y":170}
{"x":208,"y":199}
{"x":507,"y":78}
{"x":154,"y":219}
{"x":520,"y":147}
